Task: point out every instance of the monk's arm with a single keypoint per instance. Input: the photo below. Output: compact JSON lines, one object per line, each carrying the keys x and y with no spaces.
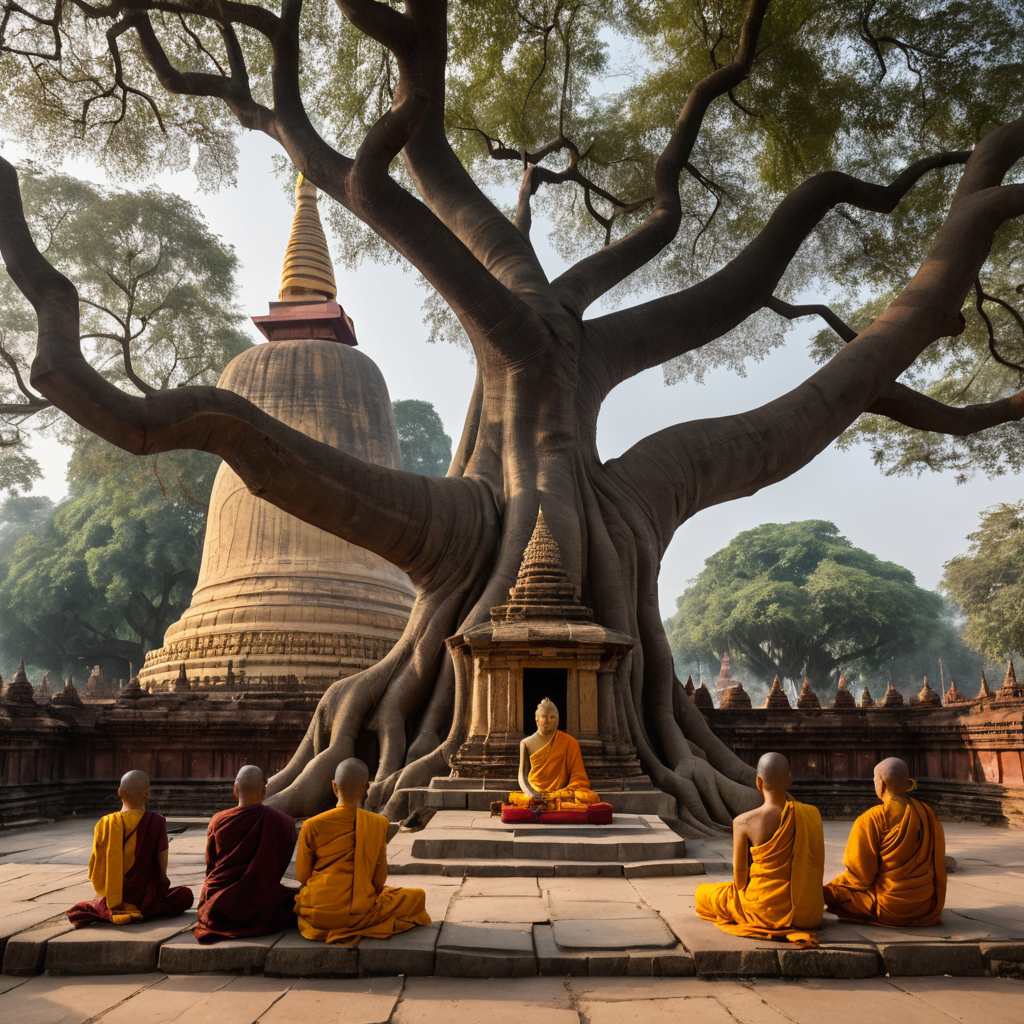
{"x":380,"y":872}
{"x":861,"y":855}
{"x":161,"y":858}
{"x":211,"y":850}
{"x":305,"y":857}
{"x":578,"y":778}
{"x":740,"y":853}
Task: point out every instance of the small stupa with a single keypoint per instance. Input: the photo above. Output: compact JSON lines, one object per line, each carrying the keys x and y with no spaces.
{"x":866,"y":700}
{"x":19,"y":690}
{"x":68,"y":697}
{"x":132,"y":692}
{"x":702,"y":698}
{"x":1011,"y":692}
{"x":43,"y":691}
{"x":953,"y":695}
{"x":689,"y":688}
{"x":735,"y":698}
{"x":844,"y":700}
{"x":892,"y":699}
{"x":984,"y":693}
{"x":808,"y":699}
{"x":777,"y":699}
{"x":279,"y":603}
{"x":928,"y":698}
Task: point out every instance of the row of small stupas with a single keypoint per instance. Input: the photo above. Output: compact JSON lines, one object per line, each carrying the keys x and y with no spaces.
{"x":735,"y":698}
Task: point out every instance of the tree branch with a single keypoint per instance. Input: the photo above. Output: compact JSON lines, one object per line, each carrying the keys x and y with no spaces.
{"x":635,"y":339}
{"x":912,"y":409}
{"x":384,"y":510}
{"x":596,"y":274}
{"x":691,"y":466}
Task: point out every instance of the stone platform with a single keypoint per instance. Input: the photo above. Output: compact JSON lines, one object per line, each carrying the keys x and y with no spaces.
{"x":522,"y":927}
{"x":474,"y":844}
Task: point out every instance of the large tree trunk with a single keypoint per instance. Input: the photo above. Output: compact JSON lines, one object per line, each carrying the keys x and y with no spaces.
{"x":530,"y":444}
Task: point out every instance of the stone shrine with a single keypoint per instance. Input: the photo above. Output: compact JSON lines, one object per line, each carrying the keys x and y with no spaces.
{"x":542,"y":643}
{"x":281,"y":604}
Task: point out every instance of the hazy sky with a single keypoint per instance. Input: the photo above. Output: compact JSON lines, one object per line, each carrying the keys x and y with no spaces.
{"x":918,"y":522}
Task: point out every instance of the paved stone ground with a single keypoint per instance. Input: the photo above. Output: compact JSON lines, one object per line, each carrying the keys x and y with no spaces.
{"x":605,"y":944}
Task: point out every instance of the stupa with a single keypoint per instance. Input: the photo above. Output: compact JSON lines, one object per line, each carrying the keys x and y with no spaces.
{"x":281,"y":604}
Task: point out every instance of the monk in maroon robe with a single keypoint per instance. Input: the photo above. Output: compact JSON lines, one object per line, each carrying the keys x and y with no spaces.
{"x":248,"y":849}
{"x":128,"y":867}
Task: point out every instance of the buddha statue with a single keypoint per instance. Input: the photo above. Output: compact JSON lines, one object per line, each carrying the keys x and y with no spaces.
{"x":551,"y":772}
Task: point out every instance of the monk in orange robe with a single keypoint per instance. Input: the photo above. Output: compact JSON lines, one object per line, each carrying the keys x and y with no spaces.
{"x":342,"y":865}
{"x":895,"y":859}
{"x":128,"y":866}
{"x":778,"y":857}
{"x":551,"y":772}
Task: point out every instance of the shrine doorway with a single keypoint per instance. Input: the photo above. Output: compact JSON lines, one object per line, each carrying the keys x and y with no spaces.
{"x":539,"y":683}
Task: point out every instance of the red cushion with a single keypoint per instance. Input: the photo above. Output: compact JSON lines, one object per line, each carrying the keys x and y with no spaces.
{"x":595,"y":814}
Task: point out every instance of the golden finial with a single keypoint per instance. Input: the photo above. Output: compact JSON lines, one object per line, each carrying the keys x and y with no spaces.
{"x":308,"y":272}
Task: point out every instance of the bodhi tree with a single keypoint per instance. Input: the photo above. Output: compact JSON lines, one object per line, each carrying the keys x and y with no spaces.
{"x":721,"y":156}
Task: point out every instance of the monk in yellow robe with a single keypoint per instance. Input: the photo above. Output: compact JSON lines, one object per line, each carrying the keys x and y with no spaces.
{"x":128,"y":866}
{"x":342,"y":865}
{"x":895,"y":859}
{"x":551,"y":772}
{"x":778,"y":857}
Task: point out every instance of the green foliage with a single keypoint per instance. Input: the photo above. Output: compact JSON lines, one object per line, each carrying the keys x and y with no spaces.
{"x":799,"y":599}
{"x":988,"y":582}
{"x":157,"y":297}
{"x":839,"y":85}
{"x":104,"y":573}
{"x":426,"y":448}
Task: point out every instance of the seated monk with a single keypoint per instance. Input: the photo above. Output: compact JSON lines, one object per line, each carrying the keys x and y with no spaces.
{"x":128,"y":866}
{"x":248,"y":849}
{"x":778,"y":855}
{"x":342,"y":865}
{"x":551,"y":772}
{"x":895,"y":859}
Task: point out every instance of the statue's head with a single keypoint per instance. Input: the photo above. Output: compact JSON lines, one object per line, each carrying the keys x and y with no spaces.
{"x":547,"y":717}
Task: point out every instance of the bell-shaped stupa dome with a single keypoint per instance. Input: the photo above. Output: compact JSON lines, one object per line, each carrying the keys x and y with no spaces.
{"x":281,"y":604}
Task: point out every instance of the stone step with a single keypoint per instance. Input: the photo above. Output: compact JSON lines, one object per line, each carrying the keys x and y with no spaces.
{"x":461,"y":867}
{"x":556,"y":849}
{"x":650,"y":801}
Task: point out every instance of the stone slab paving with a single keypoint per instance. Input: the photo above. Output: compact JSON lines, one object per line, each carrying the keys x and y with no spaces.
{"x":512,"y":927}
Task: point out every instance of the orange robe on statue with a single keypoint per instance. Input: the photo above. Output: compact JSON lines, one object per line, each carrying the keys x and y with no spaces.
{"x":557,"y":771}
{"x":781,"y":898}
{"x":342,"y":864}
{"x":895,"y":864}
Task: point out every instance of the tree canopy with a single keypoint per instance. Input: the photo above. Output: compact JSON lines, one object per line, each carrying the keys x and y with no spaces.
{"x":426,"y":448}
{"x":799,"y":599}
{"x":988,"y":583}
{"x":723,"y":159}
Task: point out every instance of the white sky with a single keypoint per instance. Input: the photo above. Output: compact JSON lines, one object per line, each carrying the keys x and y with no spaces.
{"x":918,"y":522}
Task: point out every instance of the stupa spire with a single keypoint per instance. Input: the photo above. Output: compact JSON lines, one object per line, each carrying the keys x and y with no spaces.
{"x":308,"y":272}
{"x":542,"y":589}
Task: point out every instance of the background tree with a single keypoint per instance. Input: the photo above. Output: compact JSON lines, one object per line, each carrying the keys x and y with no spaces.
{"x":426,"y":448}
{"x":749,"y":151}
{"x":156,"y":292}
{"x":101,"y":577}
{"x":799,"y":599}
{"x":988,"y":583}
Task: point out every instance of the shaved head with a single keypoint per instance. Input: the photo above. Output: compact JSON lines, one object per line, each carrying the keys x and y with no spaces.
{"x":134,"y":783}
{"x":892,"y":776}
{"x":250,"y":784}
{"x":350,"y":781}
{"x":773,"y":771}
{"x":133,"y":790}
